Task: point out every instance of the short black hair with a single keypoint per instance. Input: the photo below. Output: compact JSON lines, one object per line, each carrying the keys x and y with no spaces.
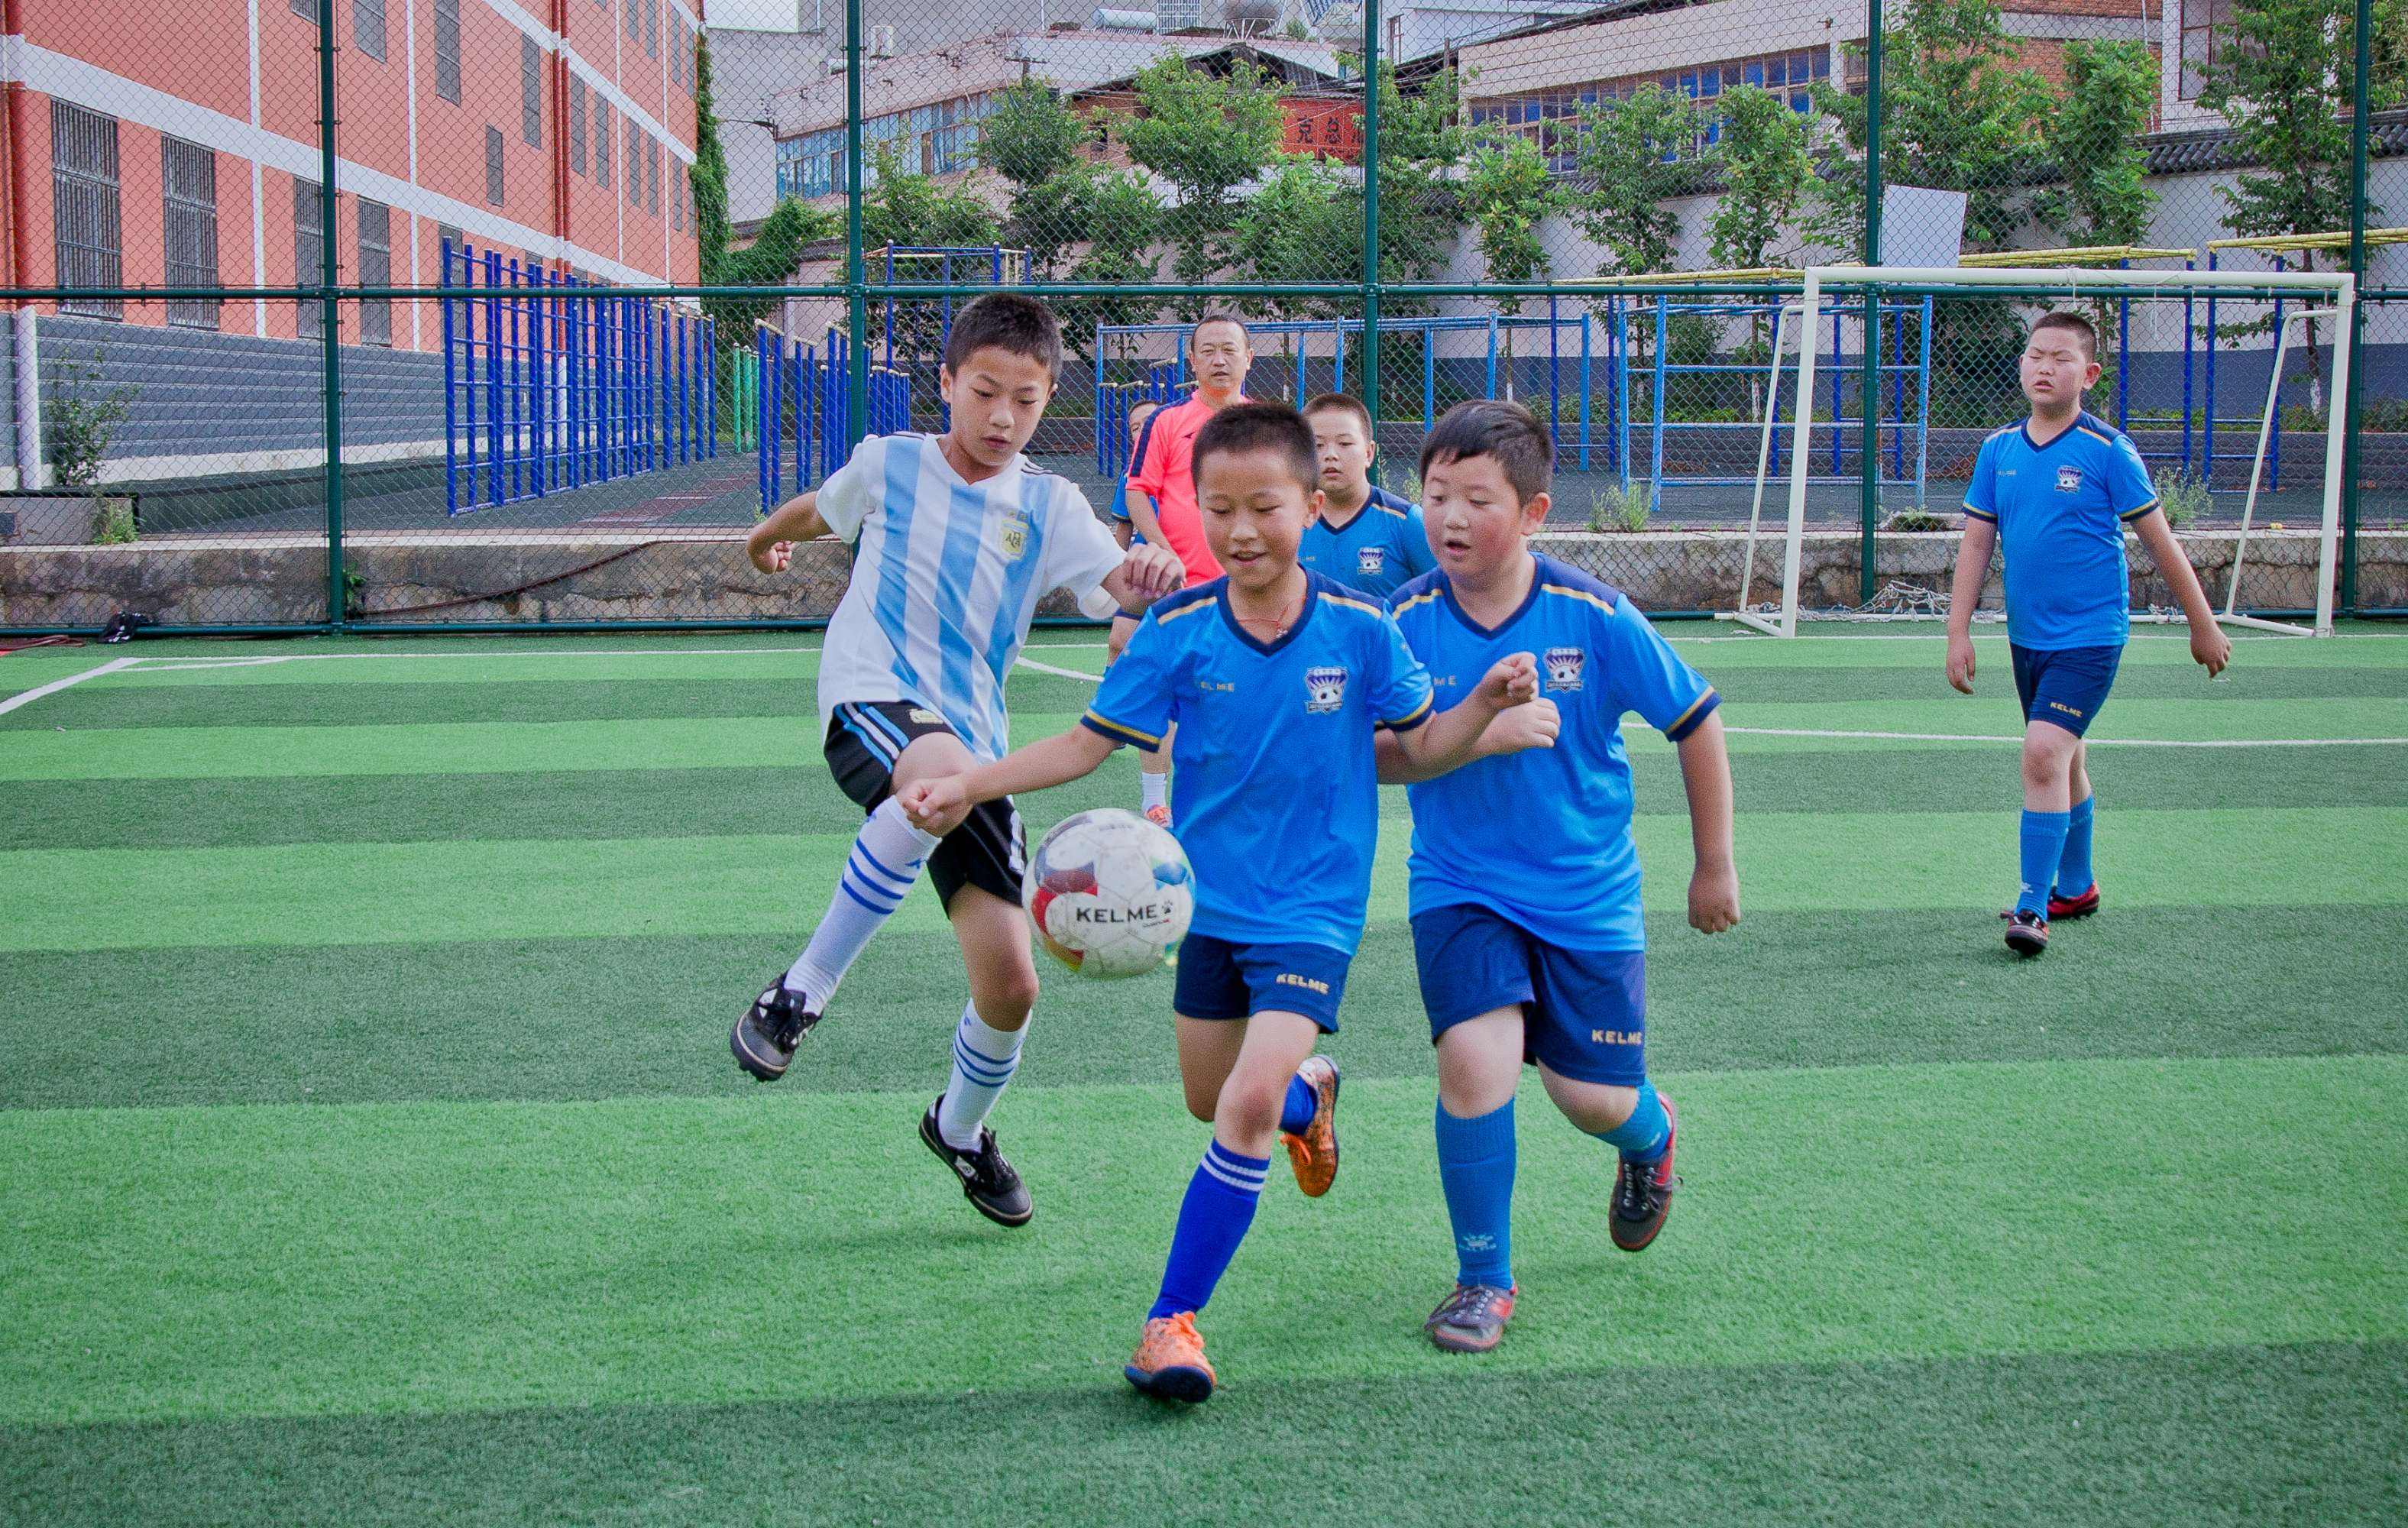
{"x":1220,"y":315}
{"x":1006,"y":321}
{"x":1344,"y":401}
{"x":2065,"y":318}
{"x":1493,"y":427}
{"x":1260,"y":427}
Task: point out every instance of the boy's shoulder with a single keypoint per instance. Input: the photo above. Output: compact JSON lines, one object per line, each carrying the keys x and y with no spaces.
{"x":1183,"y":603}
{"x":1390,"y":503}
{"x":1559,"y":580}
{"x":1415,"y":593}
{"x":1348,"y":602}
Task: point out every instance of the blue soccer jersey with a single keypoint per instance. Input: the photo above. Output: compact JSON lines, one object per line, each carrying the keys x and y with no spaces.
{"x":1382,"y":547}
{"x":2061,"y":510}
{"x":1277,"y":784}
{"x":1543,"y":836}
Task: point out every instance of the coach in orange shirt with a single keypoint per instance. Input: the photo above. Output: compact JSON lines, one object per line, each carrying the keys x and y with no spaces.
{"x":1162,"y":488}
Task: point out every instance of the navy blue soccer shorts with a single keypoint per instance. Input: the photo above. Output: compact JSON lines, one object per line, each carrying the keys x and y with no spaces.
{"x":1218,"y":979}
{"x":2065,"y":686}
{"x":1583,"y":1011}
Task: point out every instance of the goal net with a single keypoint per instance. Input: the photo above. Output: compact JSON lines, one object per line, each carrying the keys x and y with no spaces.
{"x":2231,"y":384}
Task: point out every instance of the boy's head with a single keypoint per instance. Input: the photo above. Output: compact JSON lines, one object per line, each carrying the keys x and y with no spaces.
{"x":1342,"y":439}
{"x":2061,"y":362}
{"x":1254,"y":473}
{"x":1138,"y":414}
{"x":1219,"y":353}
{"x":1485,"y":468}
{"x":1001,"y":360}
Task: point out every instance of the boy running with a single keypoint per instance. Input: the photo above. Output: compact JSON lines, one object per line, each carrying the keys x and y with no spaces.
{"x":1523,"y":878}
{"x":955,"y":538}
{"x":1366,"y":536}
{"x":2058,"y":492}
{"x":1279,"y":682}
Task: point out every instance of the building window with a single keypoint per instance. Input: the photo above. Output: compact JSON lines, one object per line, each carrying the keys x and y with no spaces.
{"x":376,"y":270}
{"x":447,"y":247}
{"x":677,"y":194}
{"x":651,"y":28}
{"x":634,"y":16}
{"x":653,"y":175}
{"x":1551,"y":119}
{"x":367,"y":28}
{"x":306,"y":9}
{"x":531,"y":93}
{"x":308,"y":251}
{"x":494,"y":165}
{"x":603,"y":145}
{"x":577,"y":124}
{"x":447,"y":49}
{"x":189,"y":174}
{"x":2206,"y":31}
{"x":87,"y":224}
{"x":635,"y":168}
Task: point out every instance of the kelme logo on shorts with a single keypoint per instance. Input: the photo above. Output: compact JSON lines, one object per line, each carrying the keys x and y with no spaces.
{"x":1325,"y":689}
{"x":1311,"y":984}
{"x":926,"y":717}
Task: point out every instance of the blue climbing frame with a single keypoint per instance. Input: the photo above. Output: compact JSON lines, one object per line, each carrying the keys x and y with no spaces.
{"x":549,"y":388}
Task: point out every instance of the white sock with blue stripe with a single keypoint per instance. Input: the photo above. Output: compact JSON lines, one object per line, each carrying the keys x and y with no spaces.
{"x":885,"y":860}
{"x":983,"y":1061}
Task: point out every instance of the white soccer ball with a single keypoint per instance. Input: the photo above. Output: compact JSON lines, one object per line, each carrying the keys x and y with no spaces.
{"x":1108,"y":894}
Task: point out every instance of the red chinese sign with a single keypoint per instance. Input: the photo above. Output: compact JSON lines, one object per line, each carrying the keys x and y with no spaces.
{"x":1326,"y":128}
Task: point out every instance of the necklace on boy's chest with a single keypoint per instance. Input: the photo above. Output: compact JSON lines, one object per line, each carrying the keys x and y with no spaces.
{"x":1279,"y":625}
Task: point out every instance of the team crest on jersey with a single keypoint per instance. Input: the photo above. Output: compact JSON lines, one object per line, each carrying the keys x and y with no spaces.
{"x":2068,"y":480}
{"x":1370,"y":559}
{"x":1325,"y":689}
{"x":1015,"y":537}
{"x":1564,"y":665}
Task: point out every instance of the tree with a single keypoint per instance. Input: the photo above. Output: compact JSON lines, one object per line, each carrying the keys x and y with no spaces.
{"x":2092,"y":134}
{"x":1767,"y":176}
{"x":1637,"y":155}
{"x":1508,"y":192}
{"x":2282,"y":77}
{"x":1124,"y":230}
{"x":1205,"y":135}
{"x":1304,"y":222}
{"x":1422,"y":141}
{"x":904,"y":207}
{"x":1031,"y":136}
{"x":777,"y":245}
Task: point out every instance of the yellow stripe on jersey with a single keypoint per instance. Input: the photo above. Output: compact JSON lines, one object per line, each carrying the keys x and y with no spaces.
{"x":1681,"y":720}
{"x":1423,"y":598}
{"x":2135,"y":514}
{"x":1183,"y":610}
{"x":1120,"y":729}
{"x":1413,"y":716}
{"x":1604,"y":605}
{"x":1327,"y":598}
{"x":1982,"y":514}
{"x":2104,"y":440}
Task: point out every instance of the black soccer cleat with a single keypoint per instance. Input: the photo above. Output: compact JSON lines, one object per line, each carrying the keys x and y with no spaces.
{"x":765,"y":1038}
{"x":2027,"y":933}
{"x":1642,"y":1191}
{"x":988,"y":1181}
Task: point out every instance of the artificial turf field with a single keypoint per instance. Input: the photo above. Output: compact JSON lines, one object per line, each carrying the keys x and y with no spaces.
{"x":370,"y":1151}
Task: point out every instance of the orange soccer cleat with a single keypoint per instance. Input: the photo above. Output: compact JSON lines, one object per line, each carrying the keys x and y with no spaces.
{"x":1169,"y":1363}
{"x":1313,"y":1154}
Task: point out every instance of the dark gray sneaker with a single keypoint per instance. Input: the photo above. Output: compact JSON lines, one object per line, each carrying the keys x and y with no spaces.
{"x":988,"y":1181}
{"x":1471,"y":1319}
{"x":2027,"y":933}
{"x":765,"y":1038}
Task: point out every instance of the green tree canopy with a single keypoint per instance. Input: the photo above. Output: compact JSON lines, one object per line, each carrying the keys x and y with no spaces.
{"x":1205,"y":135}
{"x":1637,"y":155}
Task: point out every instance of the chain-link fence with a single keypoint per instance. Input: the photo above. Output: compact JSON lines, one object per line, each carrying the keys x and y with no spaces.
{"x":583,"y":288}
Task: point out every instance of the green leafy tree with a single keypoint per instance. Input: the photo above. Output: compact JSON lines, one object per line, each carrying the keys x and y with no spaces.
{"x":1507,"y":194}
{"x":1768,"y":173}
{"x":906,"y":207}
{"x":1421,"y":144}
{"x":776,"y":248}
{"x":2092,"y":133}
{"x":1205,"y":135}
{"x":1124,"y":233}
{"x":1637,"y":155}
{"x":1031,"y":135}
{"x":1303,"y":223}
{"x":2282,"y":77}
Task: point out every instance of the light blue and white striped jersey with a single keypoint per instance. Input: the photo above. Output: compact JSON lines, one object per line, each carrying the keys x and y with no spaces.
{"x":946,"y":575}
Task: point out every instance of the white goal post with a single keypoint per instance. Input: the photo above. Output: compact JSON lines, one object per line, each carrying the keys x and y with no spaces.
{"x":2338,"y":288}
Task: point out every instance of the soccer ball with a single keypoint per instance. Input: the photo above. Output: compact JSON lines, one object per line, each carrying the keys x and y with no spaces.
{"x":1109,"y":893}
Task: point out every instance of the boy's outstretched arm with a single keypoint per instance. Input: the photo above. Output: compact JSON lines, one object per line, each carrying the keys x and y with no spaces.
{"x":1534,"y":723}
{"x":772,"y":544}
{"x":1147,"y":572}
{"x":1450,"y":739}
{"x":1964,"y":593}
{"x":2209,"y":647}
{"x":939,"y":806}
{"x":1705,"y":773}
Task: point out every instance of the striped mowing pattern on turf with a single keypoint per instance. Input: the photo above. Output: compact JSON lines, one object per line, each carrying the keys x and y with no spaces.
{"x":373,"y":1154}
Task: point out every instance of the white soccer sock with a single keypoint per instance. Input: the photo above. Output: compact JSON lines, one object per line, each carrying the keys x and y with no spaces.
{"x":1154,"y":790}
{"x":885,"y":860}
{"x":983,"y":1061}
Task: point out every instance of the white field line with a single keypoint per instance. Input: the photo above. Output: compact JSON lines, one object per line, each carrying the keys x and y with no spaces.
{"x":175,"y":665}
{"x":1065,"y":673}
{"x":27,"y":697}
{"x":2103,"y":742}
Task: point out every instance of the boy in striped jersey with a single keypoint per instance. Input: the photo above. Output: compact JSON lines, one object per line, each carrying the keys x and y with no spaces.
{"x":954,"y":539}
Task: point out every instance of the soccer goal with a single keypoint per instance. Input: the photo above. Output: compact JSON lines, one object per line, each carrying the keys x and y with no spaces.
{"x":2154,"y":316}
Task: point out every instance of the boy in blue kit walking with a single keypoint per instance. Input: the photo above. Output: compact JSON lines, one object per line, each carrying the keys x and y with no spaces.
{"x":1278,"y":682}
{"x":1364,"y":537}
{"x":2058,"y":492}
{"x":1525,"y":882}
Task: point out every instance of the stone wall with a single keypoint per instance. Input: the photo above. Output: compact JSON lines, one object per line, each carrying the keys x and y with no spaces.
{"x":623,"y":577}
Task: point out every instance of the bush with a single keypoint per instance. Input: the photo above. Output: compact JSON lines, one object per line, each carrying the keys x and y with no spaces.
{"x":1618,"y":508}
{"x":1918,"y":520}
{"x":2184,"y":497}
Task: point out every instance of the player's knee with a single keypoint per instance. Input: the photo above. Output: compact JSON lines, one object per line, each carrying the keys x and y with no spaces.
{"x":1250,"y":1109}
{"x":1009,"y":998}
{"x":1203,"y":1102}
{"x":2045,"y":764}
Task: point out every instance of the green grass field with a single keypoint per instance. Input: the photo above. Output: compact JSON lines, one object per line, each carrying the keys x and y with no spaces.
{"x":371,"y":1151}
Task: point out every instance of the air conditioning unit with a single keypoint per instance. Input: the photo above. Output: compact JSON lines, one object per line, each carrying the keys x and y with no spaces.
{"x":882,"y":42}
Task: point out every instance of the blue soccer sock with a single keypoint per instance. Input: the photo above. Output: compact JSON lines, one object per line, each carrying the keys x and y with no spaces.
{"x":2074,"y":875}
{"x":1644,"y":1136}
{"x":1295,"y":1113}
{"x":2043,"y":845}
{"x":1475,"y":1168}
{"x":1212,"y":1219}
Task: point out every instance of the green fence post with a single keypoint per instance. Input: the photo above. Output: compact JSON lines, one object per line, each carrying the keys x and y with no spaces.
{"x":1370,"y":215}
{"x":856,"y":302}
{"x":2361,"y":82}
{"x":1868,"y":365}
{"x":330,"y":337}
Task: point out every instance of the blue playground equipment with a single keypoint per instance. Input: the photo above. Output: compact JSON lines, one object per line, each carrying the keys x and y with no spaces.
{"x":548,"y":389}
